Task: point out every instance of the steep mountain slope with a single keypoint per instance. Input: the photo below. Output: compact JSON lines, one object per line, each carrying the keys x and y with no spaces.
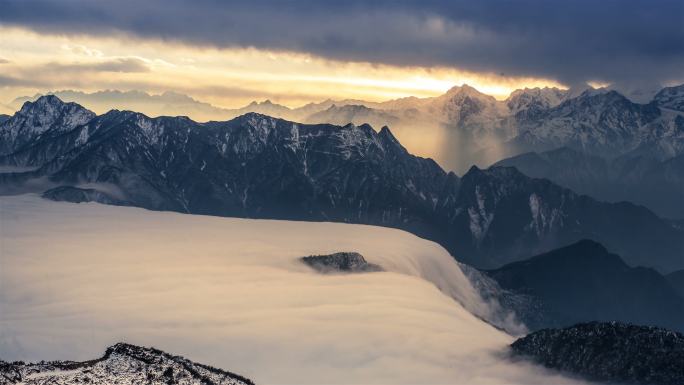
{"x":612,"y":352}
{"x":598,"y":123}
{"x":676,"y":279}
{"x":584,"y":282}
{"x":251,"y":166}
{"x":123,"y":364}
{"x":503,"y":212}
{"x":258,"y":166}
{"x":46,"y":118}
{"x":659,"y":185}
{"x":671,"y":98}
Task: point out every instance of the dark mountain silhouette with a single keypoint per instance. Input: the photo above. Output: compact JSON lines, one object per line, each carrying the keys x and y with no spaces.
{"x":584,"y":282}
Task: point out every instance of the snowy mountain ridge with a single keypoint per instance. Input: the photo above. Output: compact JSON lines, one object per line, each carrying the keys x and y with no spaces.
{"x":48,"y":116}
{"x":263,"y":167}
{"x":603,"y":123}
{"x":123,"y":364}
{"x":483,"y":130}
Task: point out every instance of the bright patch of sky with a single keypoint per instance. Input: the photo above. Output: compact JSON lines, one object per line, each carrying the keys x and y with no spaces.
{"x":227,"y":77}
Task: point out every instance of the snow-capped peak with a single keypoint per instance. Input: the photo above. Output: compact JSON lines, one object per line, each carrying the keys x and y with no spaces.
{"x":47,"y":113}
{"x":465,"y":90}
{"x":540,"y":98}
{"x":671,"y":98}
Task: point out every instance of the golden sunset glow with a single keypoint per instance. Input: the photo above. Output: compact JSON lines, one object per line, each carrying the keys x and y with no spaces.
{"x":33,"y":62}
{"x":341,"y":192}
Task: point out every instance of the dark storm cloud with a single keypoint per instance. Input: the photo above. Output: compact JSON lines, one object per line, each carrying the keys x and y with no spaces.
{"x":572,"y":41}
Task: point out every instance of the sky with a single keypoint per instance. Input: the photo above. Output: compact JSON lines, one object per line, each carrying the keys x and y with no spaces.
{"x":294,"y":52}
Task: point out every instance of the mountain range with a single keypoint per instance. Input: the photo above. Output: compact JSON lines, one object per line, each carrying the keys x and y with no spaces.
{"x":656,"y":184}
{"x":464,"y":126}
{"x":263,"y":167}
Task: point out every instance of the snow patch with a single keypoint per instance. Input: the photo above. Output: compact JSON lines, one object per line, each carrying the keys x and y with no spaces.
{"x":479,"y":218}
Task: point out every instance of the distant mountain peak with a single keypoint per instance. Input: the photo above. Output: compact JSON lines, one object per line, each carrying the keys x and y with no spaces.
{"x":602,"y":93}
{"x":386,"y":132}
{"x":254,"y":115}
{"x":42,"y":102}
{"x":671,"y":98}
{"x":266,"y":103}
{"x":463,"y":88}
{"x":47,"y":114}
{"x":534,"y":99}
{"x":498,"y":172}
{"x":473,"y":170}
{"x":49,"y":108}
{"x":466,"y":91}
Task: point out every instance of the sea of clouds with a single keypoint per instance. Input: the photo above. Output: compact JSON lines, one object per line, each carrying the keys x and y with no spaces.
{"x":231,"y":293}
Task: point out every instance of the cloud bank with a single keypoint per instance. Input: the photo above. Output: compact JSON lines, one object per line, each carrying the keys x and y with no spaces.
{"x":612,"y":41}
{"x":231,"y":293}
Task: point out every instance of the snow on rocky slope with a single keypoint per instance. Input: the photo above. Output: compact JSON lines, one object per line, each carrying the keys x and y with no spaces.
{"x":39,"y":121}
{"x":122,"y":364}
{"x":232,"y":293}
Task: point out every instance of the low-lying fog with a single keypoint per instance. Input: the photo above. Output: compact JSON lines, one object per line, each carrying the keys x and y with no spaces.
{"x":231,"y":293}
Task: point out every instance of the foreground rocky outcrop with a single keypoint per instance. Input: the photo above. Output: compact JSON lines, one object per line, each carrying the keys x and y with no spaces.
{"x":343,"y":262}
{"x":609,"y":351}
{"x":122,"y":364}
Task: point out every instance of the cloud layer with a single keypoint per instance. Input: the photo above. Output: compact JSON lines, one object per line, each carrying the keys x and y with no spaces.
{"x":612,"y":41}
{"x":231,"y":293}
